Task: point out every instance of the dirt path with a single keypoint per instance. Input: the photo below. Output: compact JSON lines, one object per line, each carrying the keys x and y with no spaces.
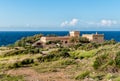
{"x":31,"y":75}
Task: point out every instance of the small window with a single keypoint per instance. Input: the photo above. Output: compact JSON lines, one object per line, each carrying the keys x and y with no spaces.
{"x":66,"y":42}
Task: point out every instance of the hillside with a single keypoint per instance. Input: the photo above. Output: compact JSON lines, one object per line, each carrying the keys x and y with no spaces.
{"x":87,"y":62}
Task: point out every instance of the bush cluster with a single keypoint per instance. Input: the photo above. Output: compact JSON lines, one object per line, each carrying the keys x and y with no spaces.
{"x":104,"y":61}
{"x":76,"y":40}
{"x":79,"y":54}
{"x":109,"y":42}
{"x":89,"y":46}
{"x":27,"y":41}
{"x":21,"y":63}
{"x":54,"y":55}
{"x":82,"y":75}
{"x":67,"y":61}
{"x":6,"y":77}
{"x":53,"y":42}
{"x":14,"y":52}
{"x":117,"y":59}
{"x":100,"y":60}
{"x":25,"y":51}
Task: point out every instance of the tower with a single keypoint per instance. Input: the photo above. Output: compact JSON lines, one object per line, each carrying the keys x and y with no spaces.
{"x":74,"y":33}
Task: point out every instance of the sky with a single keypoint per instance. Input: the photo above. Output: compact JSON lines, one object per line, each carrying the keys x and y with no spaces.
{"x":59,"y":15}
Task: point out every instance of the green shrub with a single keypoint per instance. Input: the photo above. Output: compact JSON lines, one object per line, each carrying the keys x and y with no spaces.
{"x":99,"y":77}
{"x":77,"y":46}
{"x":96,"y":64}
{"x":11,"y":53}
{"x":27,"y":61}
{"x":27,"y":41}
{"x":53,"y":42}
{"x":63,"y":50}
{"x":25,"y":51}
{"x":63,"y":54}
{"x":117,"y":59}
{"x":76,"y":40}
{"x":21,"y":63}
{"x":110,"y":76}
{"x":67,"y":61}
{"x":82,"y":75}
{"x":89,"y":46}
{"x":79,"y":54}
{"x":83,"y":40}
{"x":47,"y":58}
{"x":117,"y":79}
{"x":34,"y":50}
{"x":100,"y":60}
{"x":54,"y":55}
{"x":5,"y":77}
{"x":109,"y":42}
{"x":15,"y":65}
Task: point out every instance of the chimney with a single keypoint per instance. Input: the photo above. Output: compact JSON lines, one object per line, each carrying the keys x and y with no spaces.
{"x":96,"y":33}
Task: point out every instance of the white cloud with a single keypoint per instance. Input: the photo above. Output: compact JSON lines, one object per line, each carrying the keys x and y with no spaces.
{"x":103,"y":22}
{"x":100,"y":23}
{"x":108,"y":22}
{"x":64,"y":23}
{"x":73,"y":22}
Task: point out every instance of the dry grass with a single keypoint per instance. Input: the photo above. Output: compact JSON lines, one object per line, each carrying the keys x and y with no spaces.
{"x":61,"y":69}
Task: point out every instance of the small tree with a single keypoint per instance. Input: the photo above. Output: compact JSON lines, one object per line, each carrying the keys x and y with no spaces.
{"x":74,"y":40}
{"x":83,"y":40}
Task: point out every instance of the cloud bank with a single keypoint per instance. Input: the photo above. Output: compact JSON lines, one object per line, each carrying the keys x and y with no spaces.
{"x":73,"y":22}
{"x":108,"y":22}
{"x":100,"y":23}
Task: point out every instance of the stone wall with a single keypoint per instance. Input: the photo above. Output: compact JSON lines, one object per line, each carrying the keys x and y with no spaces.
{"x":97,"y":38}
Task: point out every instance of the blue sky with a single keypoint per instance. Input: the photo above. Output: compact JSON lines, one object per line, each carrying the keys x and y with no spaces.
{"x":59,"y":15}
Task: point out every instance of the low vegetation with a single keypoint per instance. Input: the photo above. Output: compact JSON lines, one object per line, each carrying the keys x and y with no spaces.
{"x":27,"y":41}
{"x":21,"y":63}
{"x":81,"y":61}
{"x":82,"y":75}
{"x":5,"y":77}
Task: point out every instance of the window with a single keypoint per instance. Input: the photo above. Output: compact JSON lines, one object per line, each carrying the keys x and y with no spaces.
{"x":66,"y":42}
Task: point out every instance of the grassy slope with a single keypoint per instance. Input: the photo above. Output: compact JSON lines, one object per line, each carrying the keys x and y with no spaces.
{"x":78,"y":66}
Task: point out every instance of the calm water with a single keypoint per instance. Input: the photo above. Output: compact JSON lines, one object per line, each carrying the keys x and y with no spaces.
{"x":10,"y":37}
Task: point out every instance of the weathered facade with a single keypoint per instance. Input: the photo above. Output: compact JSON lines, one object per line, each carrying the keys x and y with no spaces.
{"x":74,"y":34}
{"x":97,"y":38}
{"x":65,"y":40}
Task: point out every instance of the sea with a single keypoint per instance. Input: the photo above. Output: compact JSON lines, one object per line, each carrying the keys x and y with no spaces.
{"x":10,"y":37}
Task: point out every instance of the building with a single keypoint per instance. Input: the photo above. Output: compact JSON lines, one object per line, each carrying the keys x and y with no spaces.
{"x":97,"y":38}
{"x":74,"y":33}
{"x":65,"y":40}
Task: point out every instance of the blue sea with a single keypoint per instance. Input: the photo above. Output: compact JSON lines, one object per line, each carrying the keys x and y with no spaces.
{"x":11,"y":37}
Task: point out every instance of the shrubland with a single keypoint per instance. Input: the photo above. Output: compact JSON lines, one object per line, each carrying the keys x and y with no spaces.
{"x":82,"y":61}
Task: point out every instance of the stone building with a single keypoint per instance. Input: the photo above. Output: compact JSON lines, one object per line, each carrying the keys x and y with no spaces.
{"x":65,"y":40}
{"x":74,"y":34}
{"x":97,"y":38}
